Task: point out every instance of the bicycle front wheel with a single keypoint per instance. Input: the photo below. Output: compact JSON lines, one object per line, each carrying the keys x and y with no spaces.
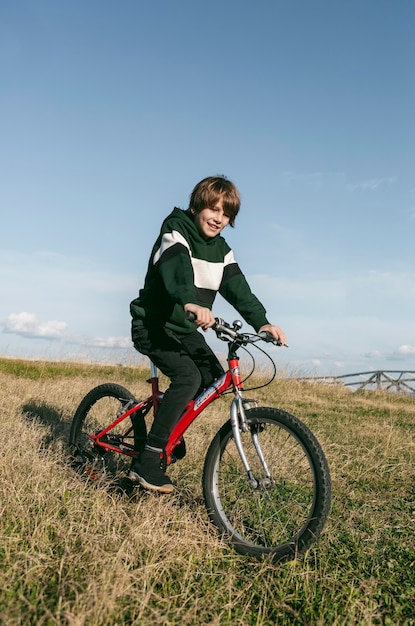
{"x":281,"y":509}
{"x":99,"y":408}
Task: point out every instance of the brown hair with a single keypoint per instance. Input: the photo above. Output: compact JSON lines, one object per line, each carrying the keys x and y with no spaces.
{"x":210,"y":190}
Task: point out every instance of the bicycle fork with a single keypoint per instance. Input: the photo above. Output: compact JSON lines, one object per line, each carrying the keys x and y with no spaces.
{"x":239,"y":423}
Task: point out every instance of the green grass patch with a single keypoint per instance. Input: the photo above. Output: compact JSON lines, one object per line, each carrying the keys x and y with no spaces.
{"x":38,"y":370}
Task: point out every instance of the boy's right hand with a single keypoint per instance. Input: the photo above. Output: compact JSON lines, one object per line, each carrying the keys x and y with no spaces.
{"x":204,"y":316}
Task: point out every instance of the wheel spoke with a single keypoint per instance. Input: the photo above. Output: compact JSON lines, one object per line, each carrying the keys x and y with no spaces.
{"x":282,"y":514}
{"x":97,"y":411}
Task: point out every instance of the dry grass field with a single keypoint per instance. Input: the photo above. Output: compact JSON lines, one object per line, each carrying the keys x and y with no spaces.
{"x":78,"y":553}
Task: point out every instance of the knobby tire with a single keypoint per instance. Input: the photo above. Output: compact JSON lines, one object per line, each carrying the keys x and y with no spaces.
{"x":97,"y":410}
{"x":284,"y":517}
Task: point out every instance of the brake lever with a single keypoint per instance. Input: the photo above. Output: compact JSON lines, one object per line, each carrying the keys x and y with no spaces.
{"x":221,"y":326}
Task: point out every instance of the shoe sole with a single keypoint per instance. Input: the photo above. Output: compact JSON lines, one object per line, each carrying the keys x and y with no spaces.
{"x":136,"y":478}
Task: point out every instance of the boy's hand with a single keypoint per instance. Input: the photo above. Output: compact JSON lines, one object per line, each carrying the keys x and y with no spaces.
{"x":204,"y":316}
{"x":276,"y":332}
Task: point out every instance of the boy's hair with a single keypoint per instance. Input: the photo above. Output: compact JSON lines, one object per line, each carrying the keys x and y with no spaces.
{"x":211,"y":189}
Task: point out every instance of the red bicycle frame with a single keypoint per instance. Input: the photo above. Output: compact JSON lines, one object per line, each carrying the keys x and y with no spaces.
{"x":230,"y":378}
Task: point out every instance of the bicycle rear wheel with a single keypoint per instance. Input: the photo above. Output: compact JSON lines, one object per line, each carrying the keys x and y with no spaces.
{"x":99,"y":408}
{"x":285,"y":513}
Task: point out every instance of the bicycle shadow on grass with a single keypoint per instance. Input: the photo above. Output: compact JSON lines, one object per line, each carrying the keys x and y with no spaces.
{"x":56,"y":437}
{"x":47,"y":415}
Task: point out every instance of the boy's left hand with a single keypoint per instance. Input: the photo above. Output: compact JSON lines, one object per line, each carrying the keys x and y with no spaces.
{"x":276,"y":332}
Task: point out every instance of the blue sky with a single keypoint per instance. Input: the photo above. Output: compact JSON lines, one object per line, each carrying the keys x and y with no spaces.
{"x":110,"y":113}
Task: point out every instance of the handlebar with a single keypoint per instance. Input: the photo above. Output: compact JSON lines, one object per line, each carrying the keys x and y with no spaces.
{"x":223,"y":328}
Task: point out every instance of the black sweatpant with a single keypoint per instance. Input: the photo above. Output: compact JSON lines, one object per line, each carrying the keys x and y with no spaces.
{"x":191,"y":366}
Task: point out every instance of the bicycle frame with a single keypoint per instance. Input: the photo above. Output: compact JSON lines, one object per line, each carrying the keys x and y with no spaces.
{"x":230,"y":378}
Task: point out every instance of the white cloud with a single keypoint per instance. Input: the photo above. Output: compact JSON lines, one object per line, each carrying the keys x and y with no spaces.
{"x":406,"y":350}
{"x":93,"y":299}
{"x":374,"y":354}
{"x":372,"y":184}
{"x":27,"y":325}
{"x":110,"y":342}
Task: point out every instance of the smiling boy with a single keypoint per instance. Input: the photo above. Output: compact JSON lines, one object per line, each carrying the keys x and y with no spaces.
{"x":189,"y":264}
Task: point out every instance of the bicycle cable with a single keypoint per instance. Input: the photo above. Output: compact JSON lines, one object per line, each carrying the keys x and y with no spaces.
{"x":274,"y":367}
{"x":253,"y":366}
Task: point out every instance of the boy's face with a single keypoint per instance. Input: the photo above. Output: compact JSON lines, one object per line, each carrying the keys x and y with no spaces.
{"x":211,"y":220}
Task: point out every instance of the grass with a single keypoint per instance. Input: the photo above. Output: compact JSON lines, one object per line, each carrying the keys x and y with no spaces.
{"x":76,"y":553}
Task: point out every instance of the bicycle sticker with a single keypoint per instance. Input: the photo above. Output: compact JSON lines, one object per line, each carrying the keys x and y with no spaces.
{"x":210,"y":391}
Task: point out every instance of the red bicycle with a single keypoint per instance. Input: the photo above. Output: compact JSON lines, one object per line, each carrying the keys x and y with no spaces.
{"x":266,"y":481}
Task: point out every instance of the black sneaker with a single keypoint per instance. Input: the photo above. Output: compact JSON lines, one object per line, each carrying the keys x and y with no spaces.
{"x":147,"y":471}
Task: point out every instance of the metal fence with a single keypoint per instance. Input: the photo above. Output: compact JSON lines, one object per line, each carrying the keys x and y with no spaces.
{"x":391,"y":380}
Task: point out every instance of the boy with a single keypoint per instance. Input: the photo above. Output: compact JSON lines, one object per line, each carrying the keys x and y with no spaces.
{"x":190,"y":262}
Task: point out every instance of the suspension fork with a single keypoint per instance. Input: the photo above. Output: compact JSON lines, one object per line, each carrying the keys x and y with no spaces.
{"x":237,"y":413}
{"x":239,"y":423}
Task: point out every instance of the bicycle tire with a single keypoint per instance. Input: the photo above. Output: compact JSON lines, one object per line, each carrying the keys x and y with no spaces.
{"x":284,"y":518}
{"x":97,"y":410}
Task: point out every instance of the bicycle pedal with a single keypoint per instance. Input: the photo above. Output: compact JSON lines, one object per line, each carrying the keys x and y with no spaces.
{"x":126,"y":407}
{"x":92,"y":473}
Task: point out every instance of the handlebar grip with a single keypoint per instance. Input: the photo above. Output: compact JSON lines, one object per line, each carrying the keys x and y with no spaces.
{"x":190,"y":316}
{"x":266,"y":336}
